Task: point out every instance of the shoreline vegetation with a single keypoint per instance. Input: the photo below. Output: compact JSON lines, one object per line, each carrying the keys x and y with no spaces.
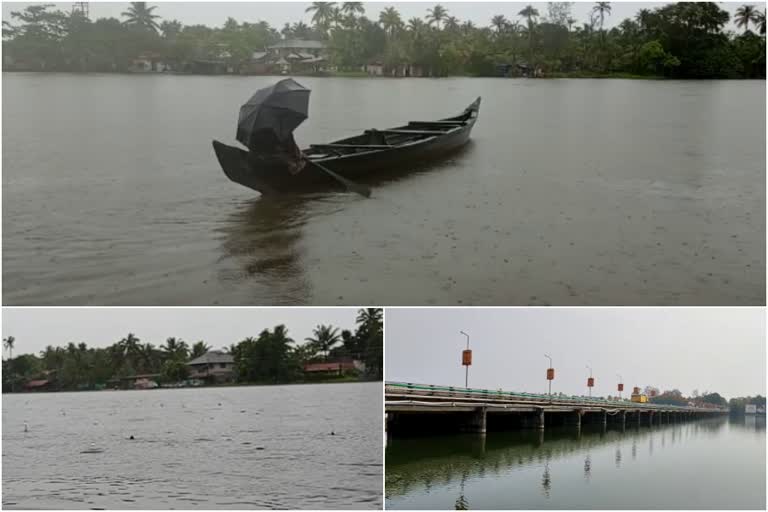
{"x":681,"y":40}
{"x":272,"y":358}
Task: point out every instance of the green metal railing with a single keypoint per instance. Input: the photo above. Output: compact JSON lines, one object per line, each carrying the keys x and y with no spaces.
{"x":490,"y":394}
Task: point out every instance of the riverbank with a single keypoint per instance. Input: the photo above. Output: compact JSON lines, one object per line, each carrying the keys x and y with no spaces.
{"x":363,"y":74}
{"x":341,"y":380}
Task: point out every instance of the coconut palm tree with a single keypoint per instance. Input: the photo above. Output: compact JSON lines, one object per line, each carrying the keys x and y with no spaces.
{"x":8,"y":344}
{"x":325,"y":337}
{"x":600,"y":8}
{"x":451,"y":23}
{"x":370,"y":316}
{"x":415,"y":24}
{"x":175,"y":348}
{"x":530,"y":14}
{"x":570,"y":22}
{"x":286,"y":31}
{"x":130,"y":347}
{"x":761,"y":22}
{"x":436,"y":15}
{"x":352,"y":8}
{"x":170,"y":29}
{"x":745,"y":15}
{"x":499,"y":22}
{"x":301,"y":30}
{"x":141,"y":16}
{"x":323,"y":13}
{"x":199,"y":349}
{"x":390,"y":20}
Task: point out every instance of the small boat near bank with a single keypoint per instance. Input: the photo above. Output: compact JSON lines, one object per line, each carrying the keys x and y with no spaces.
{"x":372,"y":154}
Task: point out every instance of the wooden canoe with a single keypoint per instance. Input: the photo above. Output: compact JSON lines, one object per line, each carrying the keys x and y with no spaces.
{"x":374,"y":153}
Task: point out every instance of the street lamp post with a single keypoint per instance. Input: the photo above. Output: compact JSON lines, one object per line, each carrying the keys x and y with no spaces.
{"x":550,"y":375}
{"x":621,"y":385}
{"x":590,"y":381}
{"x":466,"y":360}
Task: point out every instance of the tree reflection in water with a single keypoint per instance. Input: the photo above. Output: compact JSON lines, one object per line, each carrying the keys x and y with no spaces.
{"x":546,"y":480}
{"x":462,"y":503}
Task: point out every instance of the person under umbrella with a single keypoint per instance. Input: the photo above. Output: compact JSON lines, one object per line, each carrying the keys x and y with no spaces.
{"x":267,"y":121}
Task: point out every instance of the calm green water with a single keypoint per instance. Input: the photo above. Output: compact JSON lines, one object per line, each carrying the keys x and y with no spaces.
{"x":707,"y":464}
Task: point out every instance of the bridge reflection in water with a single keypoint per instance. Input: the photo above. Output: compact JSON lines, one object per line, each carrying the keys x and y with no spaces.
{"x":497,"y":470}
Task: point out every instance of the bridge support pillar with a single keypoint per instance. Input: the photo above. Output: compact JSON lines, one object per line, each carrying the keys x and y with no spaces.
{"x":540,"y":419}
{"x":575,"y":419}
{"x":623,"y":419}
{"x":604,"y":418}
{"x":650,"y":418}
{"x":478,"y":422}
{"x":639,"y":416}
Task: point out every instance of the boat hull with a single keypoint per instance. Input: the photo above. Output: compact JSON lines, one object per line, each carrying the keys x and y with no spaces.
{"x":359,"y":166}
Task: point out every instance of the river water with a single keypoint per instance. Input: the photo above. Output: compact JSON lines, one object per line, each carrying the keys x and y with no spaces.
{"x":213,"y":448}
{"x":572,"y":192}
{"x":707,"y":464}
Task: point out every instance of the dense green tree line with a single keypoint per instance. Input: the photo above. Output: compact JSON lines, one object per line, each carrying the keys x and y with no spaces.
{"x":675,"y":397}
{"x":681,"y":40}
{"x":737,"y":405}
{"x":271,"y":357}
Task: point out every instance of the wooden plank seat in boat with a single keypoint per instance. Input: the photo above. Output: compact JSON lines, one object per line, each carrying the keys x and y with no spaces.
{"x":413,"y":132}
{"x":440,"y":123}
{"x":351,"y":146}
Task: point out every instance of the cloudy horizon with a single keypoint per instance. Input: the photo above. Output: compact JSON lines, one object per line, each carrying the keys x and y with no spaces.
{"x":706,"y":349}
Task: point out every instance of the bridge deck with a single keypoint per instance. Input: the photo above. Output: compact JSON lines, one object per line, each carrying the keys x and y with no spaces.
{"x":407,"y":396}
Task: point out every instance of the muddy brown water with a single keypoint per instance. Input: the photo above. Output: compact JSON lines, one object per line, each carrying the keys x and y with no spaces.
{"x":590,"y":192}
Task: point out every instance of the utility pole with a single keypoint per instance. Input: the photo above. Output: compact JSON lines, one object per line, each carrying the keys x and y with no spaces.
{"x":466,"y":360}
{"x":590,"y":381}
{"x":80,"y":7}
{"x":550,"y":375}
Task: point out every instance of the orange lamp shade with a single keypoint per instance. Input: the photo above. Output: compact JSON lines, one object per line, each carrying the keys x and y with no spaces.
{"x":550,"y":374}
{"x":653,"y":392}
{"x":590,"y":382}
{"x":466,"y":357}
{"x":636,"y":391}
{"x":621,"y":387}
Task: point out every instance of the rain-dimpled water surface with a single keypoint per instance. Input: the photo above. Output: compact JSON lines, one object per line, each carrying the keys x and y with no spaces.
{"x":706,"y":464}
{"x":571,"y":192}
{"x":215,"y":448}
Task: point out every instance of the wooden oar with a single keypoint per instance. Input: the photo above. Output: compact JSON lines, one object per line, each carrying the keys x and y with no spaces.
{"x":350,"y":185}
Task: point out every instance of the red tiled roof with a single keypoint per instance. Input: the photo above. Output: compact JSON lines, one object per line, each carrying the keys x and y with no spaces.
{"x":328,"y":367}
{"x":36,"y":383}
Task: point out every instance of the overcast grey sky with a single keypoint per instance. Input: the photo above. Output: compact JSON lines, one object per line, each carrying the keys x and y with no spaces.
{"x":715,"y":349}
{"x":35,"y":328}
{"x":278,"y":13}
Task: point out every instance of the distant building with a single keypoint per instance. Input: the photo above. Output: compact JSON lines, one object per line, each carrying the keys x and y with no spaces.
{"x":149,"y":62}
{"x":289,"y":56}
{"x":334,"y":367}
{"x":144,"y":383}
{"x":375,"y":68}
{"x":37,"y":385}
{"x":213,"y":366}
{"x":750,"y":409}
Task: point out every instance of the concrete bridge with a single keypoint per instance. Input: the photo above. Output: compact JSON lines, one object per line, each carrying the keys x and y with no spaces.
{"x":423,"y":407}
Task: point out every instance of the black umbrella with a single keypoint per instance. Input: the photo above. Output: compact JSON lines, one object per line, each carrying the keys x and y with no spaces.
{"x":279,"y":109}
